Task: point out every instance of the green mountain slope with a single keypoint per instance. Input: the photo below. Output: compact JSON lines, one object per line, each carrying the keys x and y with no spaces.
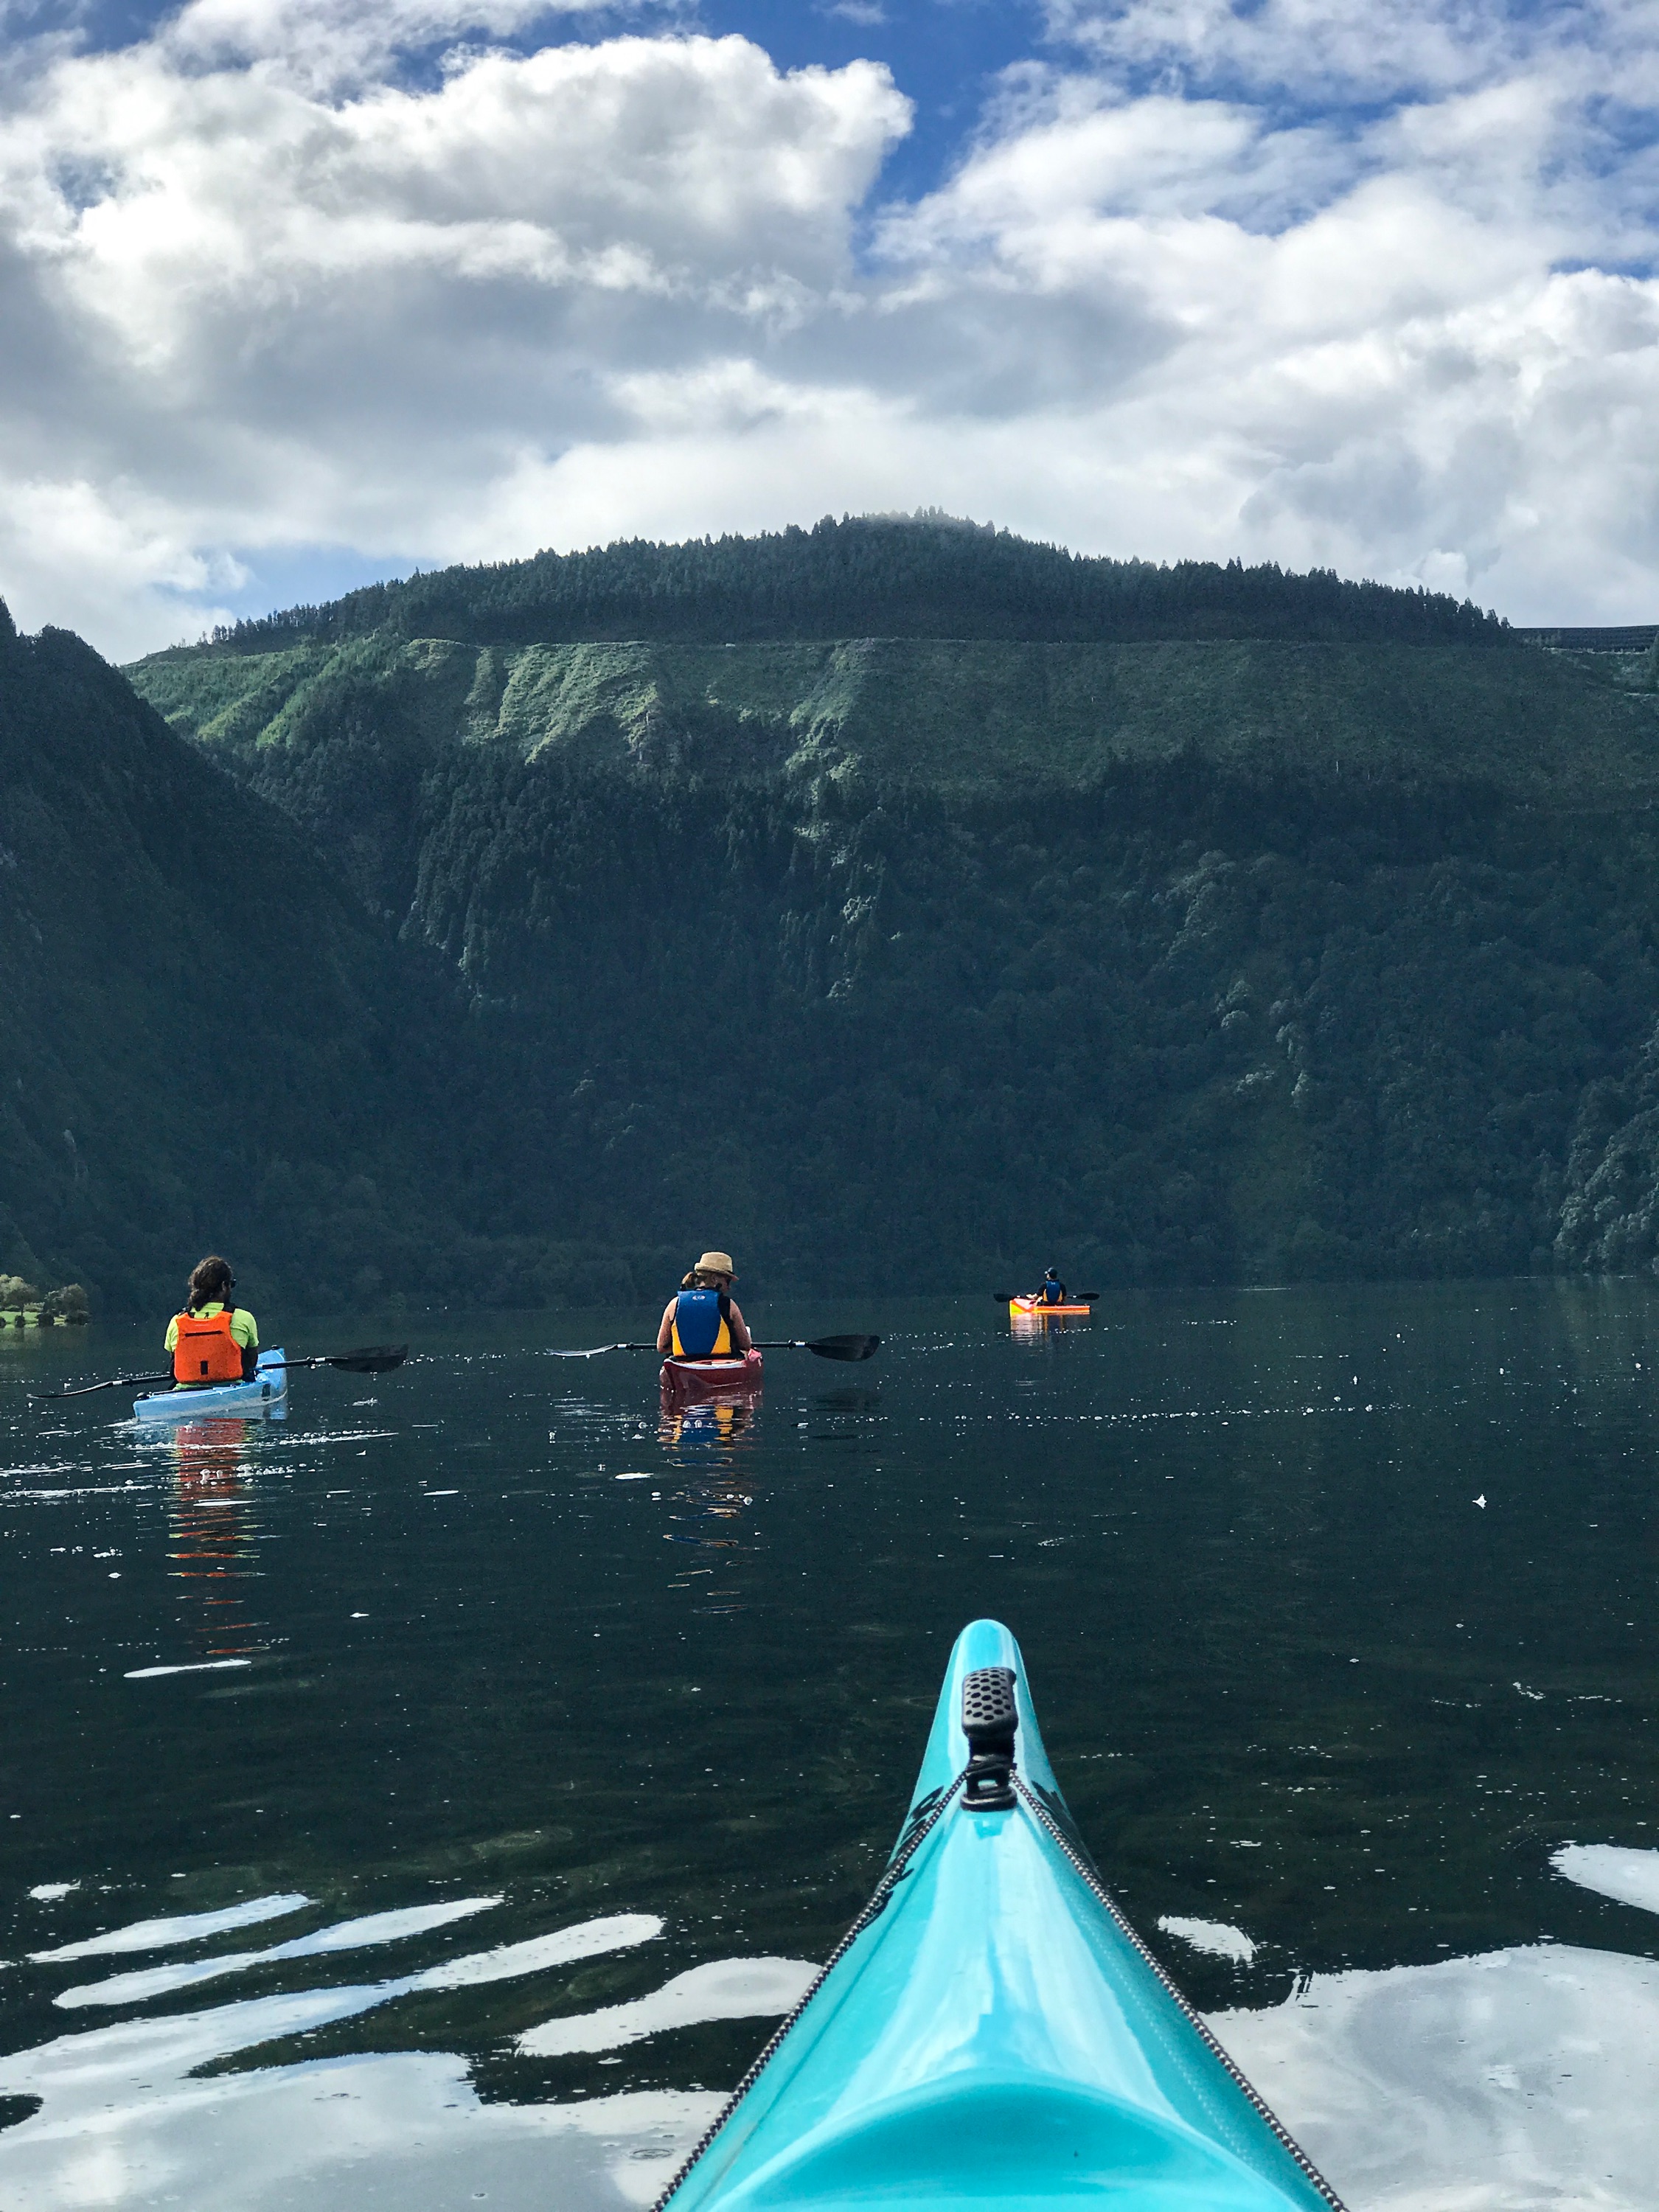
{"x":949,"y":716}
{"x":203,"y":1028}
{"x":937,"y":957}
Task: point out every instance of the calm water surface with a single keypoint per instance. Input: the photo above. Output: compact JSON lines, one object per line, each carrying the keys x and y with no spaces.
{"x":494,"y":1749}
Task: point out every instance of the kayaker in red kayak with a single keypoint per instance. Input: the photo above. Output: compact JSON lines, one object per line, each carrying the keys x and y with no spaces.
{"x":703,"y":1321}
{"x":213,"y":1341}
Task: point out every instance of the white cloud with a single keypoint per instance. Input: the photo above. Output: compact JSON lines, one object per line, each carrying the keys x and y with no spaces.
{"x":243,"y":314}
{"x":261,"y":288}
{"x":338,"y":43}
{"x":1351,"y":50}
{"x":1367,"y":347}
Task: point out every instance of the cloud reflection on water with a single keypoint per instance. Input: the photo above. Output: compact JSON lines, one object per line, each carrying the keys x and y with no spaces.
{"x":343,"y":1936}
{"x":126,"y":2118}
{"x":1529,"y":2074}
{"x":1519,"y":2079}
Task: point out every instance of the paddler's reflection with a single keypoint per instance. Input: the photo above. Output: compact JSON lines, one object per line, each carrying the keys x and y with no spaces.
{"x":703,"y":1441}
{"x":705,"y":1432}
{"x":211,"y":1532}
{"x":1037,"y":1327}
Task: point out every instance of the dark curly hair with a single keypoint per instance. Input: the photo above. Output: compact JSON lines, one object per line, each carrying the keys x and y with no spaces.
{"x":211,"y":1279}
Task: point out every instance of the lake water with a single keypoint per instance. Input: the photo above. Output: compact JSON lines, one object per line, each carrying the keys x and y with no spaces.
{"x":493,"y":1750}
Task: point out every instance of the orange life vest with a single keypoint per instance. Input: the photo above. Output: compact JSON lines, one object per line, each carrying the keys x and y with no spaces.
{"x":206,"y":1352}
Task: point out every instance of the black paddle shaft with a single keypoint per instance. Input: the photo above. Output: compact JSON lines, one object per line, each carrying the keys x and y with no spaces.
{"x":827,"y":1347}
{"x":85,"y":1390}
{"x":372,"y":1359}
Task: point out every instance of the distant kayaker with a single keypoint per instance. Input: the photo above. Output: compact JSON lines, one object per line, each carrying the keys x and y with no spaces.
{"x":213,"y":1341}
{"x":702,"y":1320}
{"x":1053,"y":1291}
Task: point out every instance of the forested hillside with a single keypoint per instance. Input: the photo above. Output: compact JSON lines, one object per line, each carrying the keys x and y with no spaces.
{"x":1328,"y":947}
{"x":207,"y":1039}
{"x":870,"y":576}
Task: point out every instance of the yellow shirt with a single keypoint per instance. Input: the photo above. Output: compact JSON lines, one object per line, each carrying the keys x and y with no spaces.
{"x":244,"y":1329}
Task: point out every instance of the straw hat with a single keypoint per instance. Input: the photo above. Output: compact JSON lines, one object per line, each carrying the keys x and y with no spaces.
{"x":716,"y":1263}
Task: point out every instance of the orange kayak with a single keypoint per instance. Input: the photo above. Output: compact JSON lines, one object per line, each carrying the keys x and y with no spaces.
{"x":1033,"y":1308}
{"x":710,"y":1378}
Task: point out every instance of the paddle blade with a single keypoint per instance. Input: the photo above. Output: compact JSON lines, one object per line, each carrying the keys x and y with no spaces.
{"x":1003,"y":1297}
{"x":844,"y":1347}
{"x":373,"y":1360}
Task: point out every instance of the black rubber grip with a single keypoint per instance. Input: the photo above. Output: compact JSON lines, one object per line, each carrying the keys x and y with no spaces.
{"x":989,"y":1713}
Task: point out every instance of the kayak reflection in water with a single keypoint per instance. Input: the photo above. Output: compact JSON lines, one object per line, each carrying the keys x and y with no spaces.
{"x":705,"y":1432}
{"x":212,"y":1532}
{"x":214,"y":1340}
{"x":702,"y":1320}
{"x":709,"y":1505}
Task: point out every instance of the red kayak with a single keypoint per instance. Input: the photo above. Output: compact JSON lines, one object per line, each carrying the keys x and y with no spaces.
{"x":731,"y":1376}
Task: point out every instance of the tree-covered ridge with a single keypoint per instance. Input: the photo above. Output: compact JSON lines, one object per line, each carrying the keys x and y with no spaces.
{"x":1197,"y":961}
{"x":871,"y":576}
{"x":914,"y":961}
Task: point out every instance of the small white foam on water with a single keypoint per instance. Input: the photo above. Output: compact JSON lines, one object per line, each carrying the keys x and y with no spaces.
{"x":196,"y":1667}
{"x":1214,"y":1936}
{"x":86,"y":1489}
{"x":724,"y":1988}
{"x":50,"y":1891}
{"x":1630,"y":1877}
{"x":181,"y":1928}
{"x":343,"y":1936}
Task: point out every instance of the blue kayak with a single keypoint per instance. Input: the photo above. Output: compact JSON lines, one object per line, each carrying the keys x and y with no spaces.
{"x":991,"y":2034}
{"x":261,"y":1400}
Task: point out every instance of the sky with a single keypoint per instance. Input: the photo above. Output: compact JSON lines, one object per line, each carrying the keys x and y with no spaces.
{"x":294,"y":293}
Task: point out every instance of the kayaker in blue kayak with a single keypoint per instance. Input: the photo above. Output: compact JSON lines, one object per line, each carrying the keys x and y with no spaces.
{"x":703,"y":1321}
{"x":213,"y":1341}
{"x":1053,"y":1291}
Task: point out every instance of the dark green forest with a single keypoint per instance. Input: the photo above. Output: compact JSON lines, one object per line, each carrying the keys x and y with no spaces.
{"x":201,"y":1027}
{"x":870,"y":576}
{"x":411,"y":962}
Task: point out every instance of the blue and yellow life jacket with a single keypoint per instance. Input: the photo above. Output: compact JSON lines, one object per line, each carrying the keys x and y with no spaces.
{"x":703,"y":1326}
{"x":1052,"y":1293}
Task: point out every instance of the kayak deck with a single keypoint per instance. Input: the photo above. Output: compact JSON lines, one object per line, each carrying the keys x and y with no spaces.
{"x":991,"y":2034}
{"x":1034,"y":1309}
{"x":264,"y":1398}
{"x":710,"y":1378}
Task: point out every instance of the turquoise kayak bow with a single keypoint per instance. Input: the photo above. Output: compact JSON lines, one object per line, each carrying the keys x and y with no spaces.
{"x":991,"y":2035}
